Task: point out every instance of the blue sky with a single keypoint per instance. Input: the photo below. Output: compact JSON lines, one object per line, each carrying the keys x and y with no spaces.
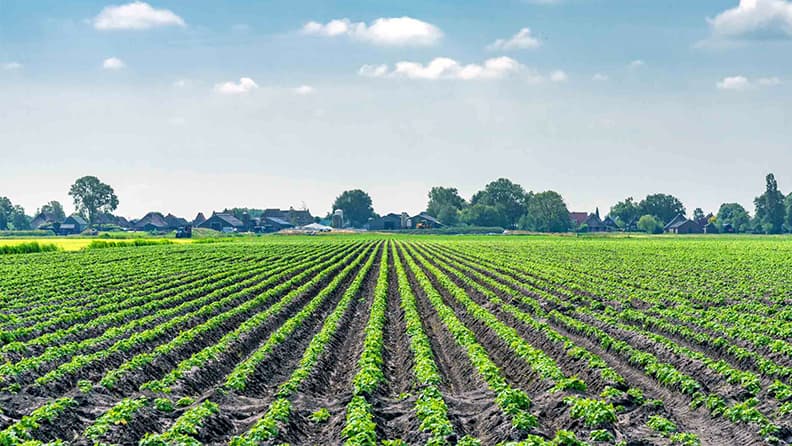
{"x":188,"y":106}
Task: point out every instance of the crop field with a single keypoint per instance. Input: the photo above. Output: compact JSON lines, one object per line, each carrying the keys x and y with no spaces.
{"x":377,"y":340}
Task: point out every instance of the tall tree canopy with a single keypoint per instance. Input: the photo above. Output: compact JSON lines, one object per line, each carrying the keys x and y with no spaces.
{"x":546,"y":212}
{"x":625,"y":211}
{"x":770,"y":210}
{"x":734,"y":214}
{"x":92,"y":196}
{"x":445,"y":203}
{"x":788,"y":205}
{"x":483,"y":215}
{"x":54,"y":208}
{"x":356,"y":205}
{"x":650,"y":224}
{"x":12,"y":216}
{"x":6,"y":208}
{"x":509,"y":198}
{"x":664,"y":207}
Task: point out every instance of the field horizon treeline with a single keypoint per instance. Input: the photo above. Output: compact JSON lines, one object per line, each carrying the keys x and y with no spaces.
{"x":500,"y":204}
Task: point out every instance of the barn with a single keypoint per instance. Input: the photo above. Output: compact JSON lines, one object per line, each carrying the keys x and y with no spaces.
{"x":388,"y":222}
{"x":425,"y":221}
{"x":223,"y":222}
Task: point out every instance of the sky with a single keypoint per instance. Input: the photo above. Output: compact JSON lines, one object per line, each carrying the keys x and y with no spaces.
{"x":189,"y":106}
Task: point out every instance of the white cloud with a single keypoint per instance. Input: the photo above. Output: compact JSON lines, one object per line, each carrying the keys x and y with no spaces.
{"x":742,"y":83}
{"x":447,"y":68}
{"x":734,"y":83}
{"x":113,"y":63}
{"x":637,"y":63}
{"x":559,"y":76}
{"x":135,"y":15}
{"x":522,"y":40}
{"x":373,"y":70}
{"x":245,"y":85}
{"x":394,"y":31}
{"x":769,"y":81}
{"x":754,"y":19}
{"x":11,"y":66}
{"x":600,"y":77}
{"x":182,"y":83}
{"x":303,"y":90}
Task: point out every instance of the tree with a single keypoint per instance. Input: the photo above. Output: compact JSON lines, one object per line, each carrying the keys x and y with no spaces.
{"x":54,"y":208}
{"x":445,"y":203}
{"x":447,"y":215}
{"x":356,"y":205}
{"x":788,"y":206}
{"x":483,"y":215}
{"x":19,"y":220}
{"x":441,"y":197}
{"x":625,"y":211}
{"x":6,"y":210}
{"x":770,"y":209}
{"x":546,"y":212}
{"x":698,"y":214}
{"x":650,"y":224}
{"x":664,"y":207}
{"x":91,"y":196}
{"x":508,"y":197}
{"x":735,"y":215}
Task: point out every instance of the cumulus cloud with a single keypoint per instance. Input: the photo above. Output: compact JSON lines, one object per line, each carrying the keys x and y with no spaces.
{"x":303,"y":90}
{"x":637,"y":63}
{"x":11,"y":66}
{"x":182,"y":83}
{"x":742,"y":83}
{"x":754,"y":19}
{"x":135,"y":15}
{"x":447,"y":68}
{"x":522,"y":40}
{"x":393,"y":31}
{"x":558,"y":76}
{"x":373,"y":70}
{"x":245,"y":85}
{"x":113,"y":63}
{"x":600,"y":77}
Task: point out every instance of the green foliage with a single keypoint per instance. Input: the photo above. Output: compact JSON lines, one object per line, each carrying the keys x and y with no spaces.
{"x":164,"y":405}
{"x":662,"y":206}
{"x":356,"y":205}
{"x":650,"y":225}
{"x":661,"y":424}
{"x":595,"y":413}
{"x":184,"y":401}
{"x":770,"y":208}
{"x":601,"y":435}
{"x":320,"y":415}
{"x":91,"y":196}
{"x":120,"y":414}
{"x":546,"y":212}
{"x":27,"y":248}
{"x":509,"y":200}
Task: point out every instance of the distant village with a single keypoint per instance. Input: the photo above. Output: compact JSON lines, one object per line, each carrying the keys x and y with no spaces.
{"x":275,"y":220}
{"x":501,"y":206}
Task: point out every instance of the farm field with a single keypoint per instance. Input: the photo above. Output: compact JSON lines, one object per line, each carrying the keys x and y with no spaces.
{"x":399,"y":340}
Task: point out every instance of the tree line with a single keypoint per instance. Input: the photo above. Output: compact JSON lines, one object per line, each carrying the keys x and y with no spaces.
{"x":505,"y":204}
{"x":501,"y":203}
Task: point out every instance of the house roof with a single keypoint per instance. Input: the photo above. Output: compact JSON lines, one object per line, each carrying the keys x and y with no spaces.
{"x":230,"y":219}
{"x":77,"y":218}
{"x":426,"y":216}
{"x":675,"y":222}
{"x":578,"y":217}
{"x":154,"y":219}
{"x":609,"y":221}
{"x":279,"y":221}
